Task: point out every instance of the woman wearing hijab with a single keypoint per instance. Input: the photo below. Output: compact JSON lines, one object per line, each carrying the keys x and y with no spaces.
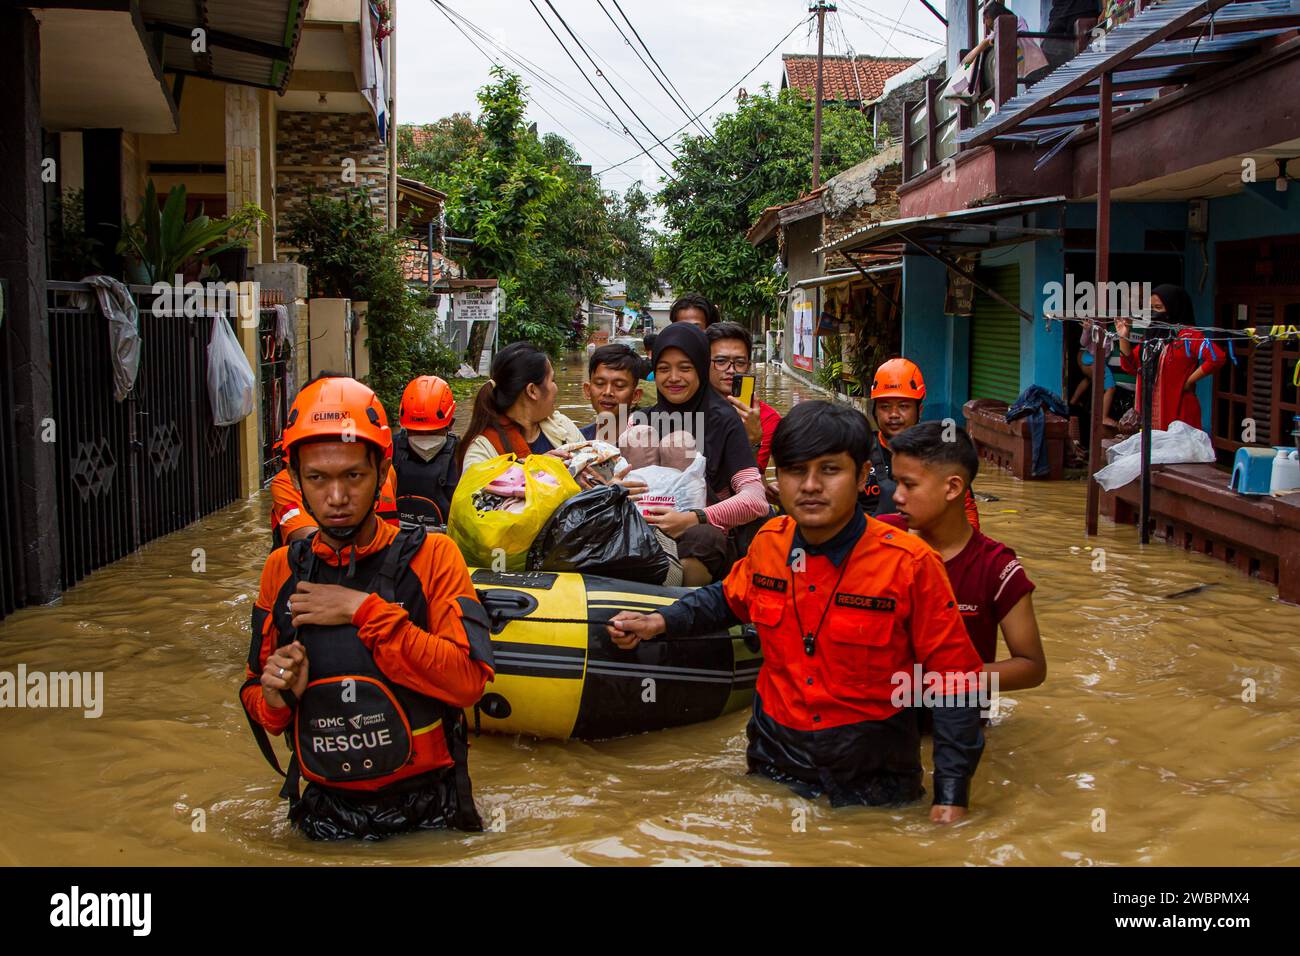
{"x":1186,"y":359}
{"x":687,"y":404}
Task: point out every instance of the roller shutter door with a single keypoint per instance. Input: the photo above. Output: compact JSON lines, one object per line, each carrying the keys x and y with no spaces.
{"x":995,"y":337}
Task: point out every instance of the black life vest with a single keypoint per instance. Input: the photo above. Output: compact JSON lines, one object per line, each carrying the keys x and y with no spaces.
{"x":353,"y":724}
{"x":878,"y":495}
{"x":424,"y":488}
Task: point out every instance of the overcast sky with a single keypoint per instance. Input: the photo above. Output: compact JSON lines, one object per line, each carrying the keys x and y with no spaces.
{"x":704,"y":46}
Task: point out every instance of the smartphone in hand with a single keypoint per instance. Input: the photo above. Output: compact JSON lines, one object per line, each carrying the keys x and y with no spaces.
{"x":742,"y":387}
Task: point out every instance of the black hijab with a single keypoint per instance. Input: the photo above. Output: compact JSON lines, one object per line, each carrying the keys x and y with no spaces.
{"x":726,"y":446}
{"x":1178,"y":304}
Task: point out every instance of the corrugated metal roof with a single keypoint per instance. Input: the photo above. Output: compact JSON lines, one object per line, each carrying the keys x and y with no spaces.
{"x":248,"y":42}
{"x":876,"y":232}
{"x":1169,"y":43}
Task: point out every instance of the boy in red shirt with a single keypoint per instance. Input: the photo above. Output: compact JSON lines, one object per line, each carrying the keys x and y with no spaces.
{"x":992,"y":589}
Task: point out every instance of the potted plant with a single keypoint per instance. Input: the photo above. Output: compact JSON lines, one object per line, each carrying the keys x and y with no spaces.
{"x":162,"y":243}
{"x":73,"y":253}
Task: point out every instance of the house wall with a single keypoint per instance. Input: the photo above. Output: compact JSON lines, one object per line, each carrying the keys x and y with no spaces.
{"x":200,"y":139}
{"x":312,"y":148}
{"x":889,"y":111}
{"x":933,"y":340}
{"x":1257,"y":212}
{"x":800,"y":239}
{"x":879,"y":205}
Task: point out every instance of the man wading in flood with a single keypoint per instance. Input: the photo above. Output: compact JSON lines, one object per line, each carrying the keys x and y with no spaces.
{"x":842,"y":603}
{"x":371,"y":670}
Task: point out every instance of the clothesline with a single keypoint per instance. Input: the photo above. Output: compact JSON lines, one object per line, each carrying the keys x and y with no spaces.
{"x":1231,"y":337}
{"x":1228,"y":335}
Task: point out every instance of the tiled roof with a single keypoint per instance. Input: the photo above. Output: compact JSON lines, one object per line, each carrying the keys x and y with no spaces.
{"x":838,"y":80}
{"x":415,"y":265}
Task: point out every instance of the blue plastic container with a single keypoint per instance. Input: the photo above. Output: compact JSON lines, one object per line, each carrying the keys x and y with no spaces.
{"x":1252,"y":471}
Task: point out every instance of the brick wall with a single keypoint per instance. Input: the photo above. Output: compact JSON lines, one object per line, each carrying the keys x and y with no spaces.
{"x":310,"y":153}
{"x":883,"y":182}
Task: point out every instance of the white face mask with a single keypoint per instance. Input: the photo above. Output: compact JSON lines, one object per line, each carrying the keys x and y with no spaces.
{"x":426,"y":446}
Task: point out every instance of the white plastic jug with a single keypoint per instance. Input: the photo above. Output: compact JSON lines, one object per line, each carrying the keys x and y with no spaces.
{"x":1286,"y":470}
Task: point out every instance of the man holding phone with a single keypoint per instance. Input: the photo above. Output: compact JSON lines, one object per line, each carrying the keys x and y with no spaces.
{"x":731,"y":374}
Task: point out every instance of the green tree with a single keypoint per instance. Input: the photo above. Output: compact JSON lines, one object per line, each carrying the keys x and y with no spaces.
{"x":759,"y":156}
{"x":630,"y":221}
{"x":539,"y":221}
{"x":349,"y":253}
{"x":431,"y":152}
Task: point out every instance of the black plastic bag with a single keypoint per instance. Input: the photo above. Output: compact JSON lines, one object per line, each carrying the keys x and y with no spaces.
{"x":600,"y":532}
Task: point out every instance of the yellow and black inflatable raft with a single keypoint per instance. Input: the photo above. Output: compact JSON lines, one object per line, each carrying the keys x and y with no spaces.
{"x":562,"y":680}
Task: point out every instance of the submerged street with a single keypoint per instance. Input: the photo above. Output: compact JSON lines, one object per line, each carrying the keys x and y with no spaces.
{"x":1139,"y":748}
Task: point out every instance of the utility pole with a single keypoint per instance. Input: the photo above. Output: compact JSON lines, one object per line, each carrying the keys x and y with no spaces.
{"x":821,"y":8}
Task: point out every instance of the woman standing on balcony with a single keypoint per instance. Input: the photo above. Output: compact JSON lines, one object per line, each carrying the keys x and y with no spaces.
{"x":1186,"y":360}
{"x":1029,"y":55}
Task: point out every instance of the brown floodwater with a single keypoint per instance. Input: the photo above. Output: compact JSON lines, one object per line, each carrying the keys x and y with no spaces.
{"x":1138,"y":749}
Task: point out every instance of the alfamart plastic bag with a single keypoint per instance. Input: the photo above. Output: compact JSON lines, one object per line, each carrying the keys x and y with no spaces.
{"x":672,"y":487}
{"x":231,"y":382}
{"x":500,"y":539}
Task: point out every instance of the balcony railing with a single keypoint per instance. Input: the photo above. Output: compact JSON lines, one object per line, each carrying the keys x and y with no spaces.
{"x":930,"y":124}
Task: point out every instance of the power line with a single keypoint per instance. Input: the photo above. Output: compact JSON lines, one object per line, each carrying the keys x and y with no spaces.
{"x":611,"y":109}
{"x":524,"y":65}
{"x":680,"y":101}
{"x":608,"y":82}
{"x":636,"y":89}
{"x":861,"y":13}
{"x":535,"y":102}
{"x":724,"y":93}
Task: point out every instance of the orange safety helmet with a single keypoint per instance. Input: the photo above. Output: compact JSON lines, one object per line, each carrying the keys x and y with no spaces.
{"x":898,"y":378}
{"x":427,"y":404}
{"x":336,"y":408}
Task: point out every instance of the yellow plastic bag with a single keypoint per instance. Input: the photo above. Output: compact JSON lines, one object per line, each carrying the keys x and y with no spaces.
{"x":500,"y":540}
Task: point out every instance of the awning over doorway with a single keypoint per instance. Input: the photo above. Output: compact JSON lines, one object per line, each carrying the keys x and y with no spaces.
{"x":943,"y":236}
{"x":847,"y":275}
{"x":959,"y":227}
{"x":248,"y":42}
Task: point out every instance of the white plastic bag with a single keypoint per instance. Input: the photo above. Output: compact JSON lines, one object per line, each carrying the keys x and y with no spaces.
{"x":1182,"y":443}
{"x":231,"y":382}
{"x":671,"y":487}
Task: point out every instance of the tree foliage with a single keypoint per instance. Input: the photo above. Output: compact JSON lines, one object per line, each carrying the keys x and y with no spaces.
{"x":350,"y":253}
{"x":538,"y":220}
{"x":759,"y":156}
{"x":431,"y":152}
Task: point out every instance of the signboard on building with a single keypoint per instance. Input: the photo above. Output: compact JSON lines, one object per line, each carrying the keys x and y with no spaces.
{"x":478,"y":309}
{"x":474,"y":305}
{"x":805,"y":338}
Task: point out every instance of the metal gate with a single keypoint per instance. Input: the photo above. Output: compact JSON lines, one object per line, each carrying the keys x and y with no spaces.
{"x":13,"y":590}
{"x":132,"y":471}
{"x":275,"y":358}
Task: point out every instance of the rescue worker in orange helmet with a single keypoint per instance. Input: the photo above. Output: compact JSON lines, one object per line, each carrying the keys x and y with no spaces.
{"x":844,"y":606}
{"x":367,"y":641}
{"x":289,"y":519}
{"x":897,"y":391}
{"x":424,"y":452}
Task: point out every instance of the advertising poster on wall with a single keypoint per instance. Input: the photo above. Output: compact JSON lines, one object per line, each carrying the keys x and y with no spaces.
{"x":801,"y":353}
